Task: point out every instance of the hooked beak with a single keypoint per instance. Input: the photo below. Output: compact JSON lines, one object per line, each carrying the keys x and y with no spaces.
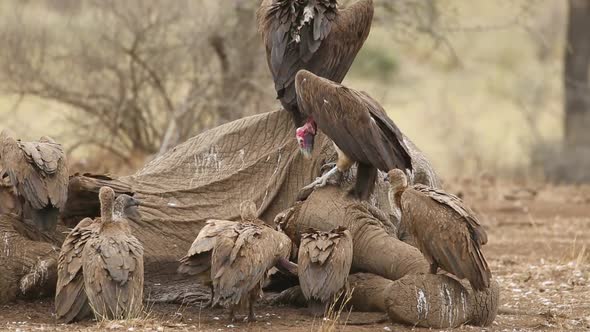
{"x":306,"y":146}
{"x":135,"y":202}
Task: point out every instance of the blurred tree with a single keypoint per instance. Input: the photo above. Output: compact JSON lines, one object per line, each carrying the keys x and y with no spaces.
{"x":140,"y":75}
{"x":575,"y":76}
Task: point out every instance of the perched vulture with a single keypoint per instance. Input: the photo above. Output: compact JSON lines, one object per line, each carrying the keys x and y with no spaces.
{"x":113,"y":262}
{"x":241,"y":257}
{"x":197,"y":261}
{"x":311,"y":34}
{"x":359,"y":127}
{"x":323,"y":264}
{"x":39,"y":174}
{"x":446,"y":231}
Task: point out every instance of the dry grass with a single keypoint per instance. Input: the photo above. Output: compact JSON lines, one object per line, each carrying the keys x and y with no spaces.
{"x":333,"y":319}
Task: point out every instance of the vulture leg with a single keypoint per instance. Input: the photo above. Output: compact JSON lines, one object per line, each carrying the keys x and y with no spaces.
{"x":433,"y":267}
{"x":323,"y":180}
{"x":251,"y":315}
{"x":327,"y":166}
{"x":232,"y":316}
{"x":210,"y":303}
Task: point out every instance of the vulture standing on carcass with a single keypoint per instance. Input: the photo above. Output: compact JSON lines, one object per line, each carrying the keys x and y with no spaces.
{"x":113,"y":262}
{"x":311,"y":34}
{"x":446,"y":231}
{"x":324,"y":262}
{"x":241,"y":258}
{"x":359,"y":127}
{"x":39,"y":174}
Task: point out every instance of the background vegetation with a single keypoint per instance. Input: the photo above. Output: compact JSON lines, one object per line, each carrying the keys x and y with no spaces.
{"x":476,"y":84}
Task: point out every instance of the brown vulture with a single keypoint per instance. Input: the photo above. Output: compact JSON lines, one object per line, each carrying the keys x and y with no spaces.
{"x":446,"y":231}
{"x":359,"y":127}
{"x":39,"y":174}
{"x":197,"y":261}
{"x":241,"y":258}
{"x":113,"y":262}
{"x":324,"y":262}
{"x":311,"y":34}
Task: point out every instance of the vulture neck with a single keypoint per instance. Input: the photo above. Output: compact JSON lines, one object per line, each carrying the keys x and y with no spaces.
{"x":106,"y":212}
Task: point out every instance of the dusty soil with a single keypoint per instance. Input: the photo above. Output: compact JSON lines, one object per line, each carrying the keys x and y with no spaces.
{"x":539,"y":239}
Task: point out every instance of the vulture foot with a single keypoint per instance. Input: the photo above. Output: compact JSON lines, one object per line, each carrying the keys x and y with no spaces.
{"x":433,"y":268}
{"x":325,"y":179}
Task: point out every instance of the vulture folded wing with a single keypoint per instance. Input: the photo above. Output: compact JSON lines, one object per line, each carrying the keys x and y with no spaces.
{"x":38,"y":170}
{"x":206,"y":238}
{"x":451,"y":201}
{"x":442,"y":234}
{"x":323,"y":272}
{"x":71,"y":301}
{"x":113,"y":273}
{"x":326,"y":47}
{"x":355,"y":122}
{"x":241,"y":259}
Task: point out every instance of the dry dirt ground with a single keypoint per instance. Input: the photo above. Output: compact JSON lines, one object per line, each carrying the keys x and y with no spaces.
{"x":539,"y":238}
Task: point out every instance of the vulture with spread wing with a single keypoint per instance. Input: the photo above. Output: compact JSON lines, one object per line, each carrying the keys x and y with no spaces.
{"x":113,"y":262}
{"x":324,"y":262}
{"x":197,"y":261}
{"x":446,"y":231}
{"x":311,"y":34}
{"x":359,"y":127}
{"x":39,"y":174}
{"x":241,"y":258}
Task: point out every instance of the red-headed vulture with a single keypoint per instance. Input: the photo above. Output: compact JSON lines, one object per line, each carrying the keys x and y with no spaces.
{"x":359,"y":127}
{"x":311,"y":34}
{"x":446,"y":231}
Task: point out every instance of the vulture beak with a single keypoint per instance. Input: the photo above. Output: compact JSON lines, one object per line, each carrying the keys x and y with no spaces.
{"x":135,"y":202}
{"x":306,"y":147}
{"x":386,"y":178}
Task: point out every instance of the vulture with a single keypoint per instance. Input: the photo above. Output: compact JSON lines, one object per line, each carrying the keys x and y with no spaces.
{"x":359,"y":127}
{"x":39,"y":174}
{"x":311,"y":34}
{"x":241,"y":258}
{"x":446,"y":231}
{"x":324,"y":262}
{"x":197,"y":261}
{"x":112,"y":261}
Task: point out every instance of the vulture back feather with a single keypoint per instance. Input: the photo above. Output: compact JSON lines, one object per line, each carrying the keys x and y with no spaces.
{"x":71,"y":302}
{"x":315,"y":35}
{"x":113,"y":265}
{"x":38,"y":171}
{"x":241,"y":258}
{"x":324,"y":263}
{"x":447,"y":232}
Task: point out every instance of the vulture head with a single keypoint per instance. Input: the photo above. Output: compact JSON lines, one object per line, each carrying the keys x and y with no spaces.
{"x":397,"y":180}
{"x":126,"y":206}
{"x":306,"y":87}
{"x":248,"y":210}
